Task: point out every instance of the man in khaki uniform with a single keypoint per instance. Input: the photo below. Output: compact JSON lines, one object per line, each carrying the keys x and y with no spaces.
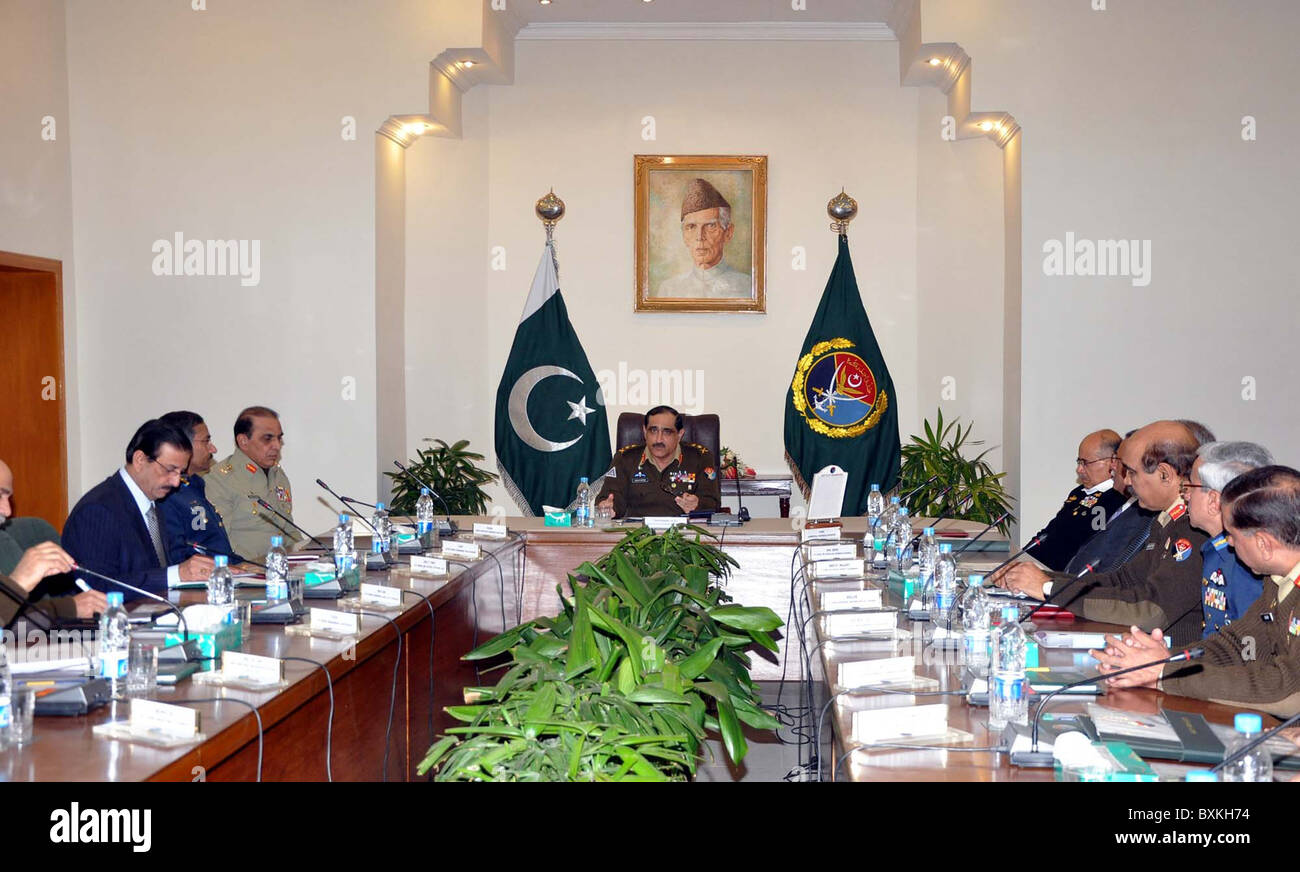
{"x":253,"y":468}
{"x":663,"y":475}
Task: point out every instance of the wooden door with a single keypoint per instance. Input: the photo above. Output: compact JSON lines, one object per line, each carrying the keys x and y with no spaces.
{"x":33,"y":435}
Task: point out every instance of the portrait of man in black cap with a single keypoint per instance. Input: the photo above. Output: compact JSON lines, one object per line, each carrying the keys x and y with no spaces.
{"x":706,"y":228}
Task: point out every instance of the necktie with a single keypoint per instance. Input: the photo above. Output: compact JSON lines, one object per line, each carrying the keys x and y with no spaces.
{"x":151,"y":521}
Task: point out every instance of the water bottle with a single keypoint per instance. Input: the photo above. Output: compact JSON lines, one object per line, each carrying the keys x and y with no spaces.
{"x":343,"y":544}
{"x":426,"y":524}
{"x":903,"y":542}
{"x":927,"y":552}
{"x":875,"y":506}
{"x":975,"y":625}
{"x":277,"y":571}
{"x":1008,"y":690}
{"x":943,"y":602}
{"x":582,"y":505}
{"x":115,"y":641}
{"x":1256,"y":765}
{"x":6,"y":699}
{"x":221,"y":584}
{"x":888,"y":517}
{"x":381,"y":538}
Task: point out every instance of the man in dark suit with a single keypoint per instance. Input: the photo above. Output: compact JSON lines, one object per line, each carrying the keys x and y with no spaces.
{"x":115,"y":528}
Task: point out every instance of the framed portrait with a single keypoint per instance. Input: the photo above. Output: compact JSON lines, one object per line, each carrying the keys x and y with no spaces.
{"x":701,"y":233}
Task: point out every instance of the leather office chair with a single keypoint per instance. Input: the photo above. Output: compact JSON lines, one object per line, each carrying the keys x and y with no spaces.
{"x":700,"y":429}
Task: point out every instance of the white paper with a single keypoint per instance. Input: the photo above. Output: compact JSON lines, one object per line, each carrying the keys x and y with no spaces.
{"x":827,"y":498}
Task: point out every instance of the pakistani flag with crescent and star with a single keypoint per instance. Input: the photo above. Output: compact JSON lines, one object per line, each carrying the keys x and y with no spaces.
{"x":551,"y":427}
{"x":841,"y":407}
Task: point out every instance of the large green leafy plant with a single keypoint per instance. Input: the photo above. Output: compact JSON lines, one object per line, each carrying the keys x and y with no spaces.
{"x":451,"y":471}
{"x":647,"y":656}
{"x":965,"y":488}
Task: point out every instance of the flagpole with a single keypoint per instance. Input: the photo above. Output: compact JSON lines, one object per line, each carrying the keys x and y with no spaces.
{"x":550,"y":209}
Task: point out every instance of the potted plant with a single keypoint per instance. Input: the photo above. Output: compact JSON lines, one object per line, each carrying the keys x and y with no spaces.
{"x":451,"y":470}
{"x":962,"y":488}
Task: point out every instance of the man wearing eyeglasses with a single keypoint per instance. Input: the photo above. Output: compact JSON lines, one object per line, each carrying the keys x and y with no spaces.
{"x":253,"y":468}
{"x":706,"y":229}
{"x":115,"y":528}
{"x":1086,"y":508}
{"x":662,"y":476}
{"x":1161,"y":587}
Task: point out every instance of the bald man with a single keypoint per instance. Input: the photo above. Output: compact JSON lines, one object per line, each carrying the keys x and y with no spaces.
{"x":1161,"y":586}
{"x":1087,"y":508}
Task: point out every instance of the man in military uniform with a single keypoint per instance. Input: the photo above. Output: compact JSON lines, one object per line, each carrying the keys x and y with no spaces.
{"x":1228,"y":587}
{"x":188,"y":517}
{"x":1161,"y":587}
{"x":662,"y":475}
{"x":1254,"y":662}
{"x":1087,"y":508}
{"x":706,"y":230}
{"x":253,"y":468}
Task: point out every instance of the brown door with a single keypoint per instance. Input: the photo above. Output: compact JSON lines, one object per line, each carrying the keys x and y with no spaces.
{"x":33,"y":438}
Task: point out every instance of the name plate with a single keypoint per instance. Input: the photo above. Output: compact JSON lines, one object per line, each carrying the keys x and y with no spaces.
{"x":841,"y":551}
{"x":852,"y":599}
{"x":435,"y":566}
{"x":886,"y":670}
{"x":251,"y":667}
{"x":861,"y":623}
{"x":381,"y":595}
{"x":661,"y":523}
{"x":828,"y":533}
{"x":839,"y":569}
{"x":462,"y":550}
{"x":148,"y":716}
{"x":343,"y":623}
{"x":490,"y":531}
{"x":900,"y":722}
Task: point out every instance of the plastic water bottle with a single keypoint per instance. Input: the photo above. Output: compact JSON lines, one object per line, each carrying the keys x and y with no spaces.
{"x":1008,"y":691}
{"x":582,"y":505}
{"x":1257,"y":765}
{"x":903,"y":542}
{"x":426,"y":523}
{"x":115,"y":641}
{"x":277,"y":571}
{"x":875,"y":506}
{"x":888,"y":517}
{"x":975,"y":625}
{"x":927,"y":552}
{"x":381,"y":539}
{"x":221,"y":584}
{"x":944,"y":601}
{"x":6,"y":699}
{"x":343,"y":544}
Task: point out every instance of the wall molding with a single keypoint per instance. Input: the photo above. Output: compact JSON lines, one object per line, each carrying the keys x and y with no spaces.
{"x":851,"y":31}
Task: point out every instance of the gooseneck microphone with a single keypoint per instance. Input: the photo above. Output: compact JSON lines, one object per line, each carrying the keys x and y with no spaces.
{"x":903,"y":500}
{"x":1034,"y":757}
{"x":273,"y":510}
{"x":150,"y":594}
{"x":422,"y":483}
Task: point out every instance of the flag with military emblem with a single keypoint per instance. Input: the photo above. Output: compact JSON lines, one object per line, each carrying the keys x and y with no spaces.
{"x":551,"y":427}
{"x":841,"y":407}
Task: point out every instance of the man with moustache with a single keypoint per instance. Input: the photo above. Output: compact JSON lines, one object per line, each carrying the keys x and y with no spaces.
{"x":662,"y":475}
{"x":188,"y":518}
{"x":253,"y":467}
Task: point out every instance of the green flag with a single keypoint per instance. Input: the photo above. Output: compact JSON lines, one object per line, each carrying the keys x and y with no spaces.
{"x":551,"y":427}
{"x":842,"y":408}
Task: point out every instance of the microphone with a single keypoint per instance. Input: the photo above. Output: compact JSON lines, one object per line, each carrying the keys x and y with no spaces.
{"x":1253,"y":744}
{"x":351,"y":501}
{"x":1086,"y":569}
{"x":185,"y":630}
{"x":742,"y":513}
{"x":1034,"y":757}
{"x":996,"y":521}
{"x":272,"y":509}
{"x":344,"y":501}
{"x":917,"y":489}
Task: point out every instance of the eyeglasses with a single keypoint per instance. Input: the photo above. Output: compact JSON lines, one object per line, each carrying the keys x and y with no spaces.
{"x":1079,"y":461}
{"x":168,"y":469}
{"x":1185,"y":486}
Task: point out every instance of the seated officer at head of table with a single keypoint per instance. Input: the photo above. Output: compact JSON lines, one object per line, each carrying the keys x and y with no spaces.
{"x":115,"y":528}
{"x":1254,"y":662}
{"x":188,"y":518}
{"x":1087,"y":507}
{"x":1161,"y":587}
{"x":663,"y":475}
{"x":253,"y":467}
{"x":1228,"y":587}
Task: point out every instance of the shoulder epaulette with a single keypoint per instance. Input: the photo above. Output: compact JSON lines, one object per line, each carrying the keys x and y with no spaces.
{"x":225,"y":468}
{"x":700,"y":448}
{"x":627,"y":448}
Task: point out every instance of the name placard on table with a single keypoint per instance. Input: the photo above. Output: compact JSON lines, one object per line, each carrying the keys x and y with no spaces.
{"x":148,"y":716}
{"x":901,"y":722}
{"x":852,"y":599}
{"x":838,"y":551}
{"x":821,"y":533}
{"x":490,"y":531}
{"x":430,"y":566}
{"x":453,"y":550}
{"x":381,"y":595}
{"x":855,"y":568}
{"x":330,"y":621}
{"x":664,"y":522}
{"x":252,"y":667}
{"x":868,"y":673}
{"x":861,"y":623}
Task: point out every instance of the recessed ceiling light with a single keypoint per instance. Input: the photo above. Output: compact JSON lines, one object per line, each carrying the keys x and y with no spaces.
{"x":544,"y":2}
{"x":934,"y":62}
{"x":467,"y":64}
{"x":986,"y":126}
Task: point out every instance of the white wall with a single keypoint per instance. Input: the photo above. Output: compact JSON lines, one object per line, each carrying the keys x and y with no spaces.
{"x":35,"y":175}
{"x":827,"y":115}
{"x":1132,"y":120}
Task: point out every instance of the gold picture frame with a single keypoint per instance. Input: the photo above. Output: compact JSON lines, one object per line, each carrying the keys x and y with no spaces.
{"x":706,"y":259}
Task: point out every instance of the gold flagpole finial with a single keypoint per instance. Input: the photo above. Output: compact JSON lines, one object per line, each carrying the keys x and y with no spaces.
{"x":842,"y":208}
{"x":549,"y":209}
